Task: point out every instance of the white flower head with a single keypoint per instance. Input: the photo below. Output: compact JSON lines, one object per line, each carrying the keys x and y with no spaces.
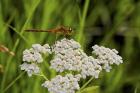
{"x":65,"y":44}
{"x":47,"y":49}
{"x":60,"y":84}
{"x":32,"y":56}
{"x":68,"y":55}
{"x":69,"y":60}
{"x":27,"y":56}
{"x":30,"y":68}
{"x":107,"y":56}
{"x":37,"y":47}
{"x":37,"y":57}
{"x":73,"y":58}
{"x":42,"y":49}
{"x":90,"y":67}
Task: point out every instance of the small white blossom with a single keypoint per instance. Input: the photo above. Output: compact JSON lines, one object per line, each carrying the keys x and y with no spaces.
{"x":30,"y":68}
{"x":60,"y":84}
{"x":107,"y":56}
{"x":27,"y":56}
{"x":37,"y":57}
{"x":78,"y":76}
{"x":74,"y":59}
{"x":69,"y":60}
{"x":65,"y":44}
{"x":32,"y":56}
{"x":68,"y":55}
{"x":42,"y":49}
{"x":37,"y":47}
{"x":47,"y":49}
{"x":90,"y":67}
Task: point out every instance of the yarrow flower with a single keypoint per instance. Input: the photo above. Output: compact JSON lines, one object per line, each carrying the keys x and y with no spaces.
{"x":33,"y":56}
{"x":60,"y":84}
{"x":65,"y":45}
{"x":42,"y":49}
{"x":30,"y":68}
{"x":68,"y":56}
{"x":69,"y":60}
{"x":90,"y":67}
{"x":106,"y":57}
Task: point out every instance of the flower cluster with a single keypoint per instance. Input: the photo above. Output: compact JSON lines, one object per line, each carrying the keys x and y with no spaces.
{"x":65,"y":45}
{"x":30,"y":68}
{"x":60,"y":84}
{"x":33,"y":56}
{"x":106,"y":57}
{"x":68,"y":56}
{"x":90,"y":67}
{"x":42,"y":49}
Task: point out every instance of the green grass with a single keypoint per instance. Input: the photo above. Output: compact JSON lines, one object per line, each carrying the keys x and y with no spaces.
{"x":18,"y":15}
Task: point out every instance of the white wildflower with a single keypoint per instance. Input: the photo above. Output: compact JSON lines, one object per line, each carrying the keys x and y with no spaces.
{"x":60,"y":84}
{"x":65,"y":44}
{"x":47,"y":49}
{"x":68,"y":56}
{"x":30,"y":68}
{"x":37,"y":47}
{"x":78,"y":76}
{"x":107,"y":56}
{"x":90,"y":67}
{"x":32,"y":56}
{"x":42,"y":49}
{"x":69,"y":60}
{"x":37,"y":57}
{"x":74,"y":59}
{"x":27,"y":56}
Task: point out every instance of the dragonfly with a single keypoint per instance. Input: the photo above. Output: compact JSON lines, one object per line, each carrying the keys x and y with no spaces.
{"x":5,"y":49}
{"x":91,"y":31}
{"x":66,"y":31}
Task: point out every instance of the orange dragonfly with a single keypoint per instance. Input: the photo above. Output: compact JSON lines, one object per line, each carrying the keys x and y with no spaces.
{"x":5,"y":49}
{"x":66,"y":31}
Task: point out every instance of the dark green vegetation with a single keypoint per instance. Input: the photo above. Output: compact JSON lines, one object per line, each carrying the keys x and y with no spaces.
{"x":113,"y":23}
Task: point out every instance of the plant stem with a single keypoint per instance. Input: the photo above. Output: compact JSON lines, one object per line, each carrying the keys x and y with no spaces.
{"x":18,"y":77}
{"x":42,"y":75}
{"x":85,"y":84}
{"x":82,"y":21}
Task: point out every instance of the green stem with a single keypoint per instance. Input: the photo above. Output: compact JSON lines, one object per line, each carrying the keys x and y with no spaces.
{"x":85,"y":84}
{"x":82,"y":21}
{"x":18,"y":77}
{"x":42,"y":75}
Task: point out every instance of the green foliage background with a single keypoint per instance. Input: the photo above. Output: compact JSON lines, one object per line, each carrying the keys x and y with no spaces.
{"x":113,"y":23}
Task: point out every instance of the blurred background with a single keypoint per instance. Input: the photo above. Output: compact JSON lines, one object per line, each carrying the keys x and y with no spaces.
{"x":112,"y":23}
